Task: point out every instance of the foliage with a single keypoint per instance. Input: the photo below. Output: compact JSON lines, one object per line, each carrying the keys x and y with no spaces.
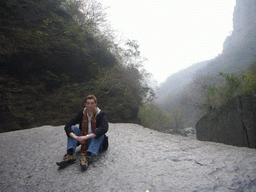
{"x":248,"y":86}
{"x":124,"y":87}
{"x":66,"y":49}
{"x":177,"y":118}
{"x":47,"y":35}
{"x":202,"y":94}
{"x":249,"y":83}
{"x":153,"y":117}
{"x":206,"y":94}
{"x":232,"y":85}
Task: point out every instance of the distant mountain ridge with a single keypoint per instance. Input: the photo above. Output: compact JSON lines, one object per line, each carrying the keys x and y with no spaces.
{"x":178,"y":81}
{"x":238,"y":53}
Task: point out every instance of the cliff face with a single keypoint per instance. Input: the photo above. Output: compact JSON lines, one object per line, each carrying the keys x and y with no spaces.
{"x":29,"y":105}
{"x":234,"y":124}
{"x":244,"y":25}
{"x":239,"y":53}
{"x":239,"y":49}
{"x":244,"y":16}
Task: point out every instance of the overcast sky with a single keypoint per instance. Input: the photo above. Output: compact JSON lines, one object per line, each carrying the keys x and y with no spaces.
{"x":172,"y":34}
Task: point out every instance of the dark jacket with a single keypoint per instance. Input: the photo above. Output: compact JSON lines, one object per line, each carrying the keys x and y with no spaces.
{"x":101,"y":123}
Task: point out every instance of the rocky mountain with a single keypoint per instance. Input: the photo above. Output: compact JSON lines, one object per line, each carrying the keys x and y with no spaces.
{"x":239,"y":48}
{"x":239,"y":51}
{"x":244,"y":24}
{"x":234,"y":123}
{"x":176,"y":82}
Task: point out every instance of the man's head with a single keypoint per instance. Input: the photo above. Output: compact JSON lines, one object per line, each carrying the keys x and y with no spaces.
{"x":91,"y":103}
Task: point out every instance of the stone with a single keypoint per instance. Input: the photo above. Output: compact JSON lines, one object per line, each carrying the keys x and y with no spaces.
{"x":162,"y":162}
{"x":244,"y":22}
{"x":190,"y":130}
{"x":233,"y":124}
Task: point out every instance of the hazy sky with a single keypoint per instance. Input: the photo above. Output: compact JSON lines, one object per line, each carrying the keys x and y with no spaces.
{"x":172,"y":34}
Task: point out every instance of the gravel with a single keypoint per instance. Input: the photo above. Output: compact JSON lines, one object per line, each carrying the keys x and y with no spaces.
{"x":138,"y":159}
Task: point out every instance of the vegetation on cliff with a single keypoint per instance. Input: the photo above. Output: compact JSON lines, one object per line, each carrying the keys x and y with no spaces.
{"x":54,"y":53}
{"x":191,"y":93}
{"x":205,"y":94}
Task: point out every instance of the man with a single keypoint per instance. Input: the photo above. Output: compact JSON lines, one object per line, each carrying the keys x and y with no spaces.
{"x":93,"y":125}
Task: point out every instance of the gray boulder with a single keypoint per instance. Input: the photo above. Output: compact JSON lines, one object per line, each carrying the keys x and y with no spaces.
{"x":233,"y":124}
{"x":190,"y":131}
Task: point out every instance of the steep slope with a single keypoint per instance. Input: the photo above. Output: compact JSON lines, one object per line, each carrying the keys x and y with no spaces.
{"x":239,"y":51}
{"x":176,"y":82}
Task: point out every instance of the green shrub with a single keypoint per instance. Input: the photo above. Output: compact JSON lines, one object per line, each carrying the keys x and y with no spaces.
{"x":151,"y":116}
{"x":249,"y":84}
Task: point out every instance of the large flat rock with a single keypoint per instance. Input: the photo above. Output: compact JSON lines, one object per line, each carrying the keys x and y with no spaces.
{"x":138,"y":159}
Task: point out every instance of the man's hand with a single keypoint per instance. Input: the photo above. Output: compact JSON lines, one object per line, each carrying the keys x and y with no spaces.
{"x":78,"y":138}
{"x":81,"y":139}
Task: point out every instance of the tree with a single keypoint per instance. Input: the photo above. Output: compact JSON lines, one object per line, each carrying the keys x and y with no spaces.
{"x":232,"y":84}
{"x":64,"y":50}
{"x":202,"y":93}
{"x":177,"y":118}
{"x":124,"y":85}
{"x":89,"y":14}
{"x":153,"y":117}
{"x":248,"y":86}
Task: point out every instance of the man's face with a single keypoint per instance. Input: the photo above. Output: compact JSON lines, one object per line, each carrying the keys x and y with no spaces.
{"x":90,"y":105}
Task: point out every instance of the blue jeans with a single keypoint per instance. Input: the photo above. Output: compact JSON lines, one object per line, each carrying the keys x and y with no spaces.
{"x":94,"y":144}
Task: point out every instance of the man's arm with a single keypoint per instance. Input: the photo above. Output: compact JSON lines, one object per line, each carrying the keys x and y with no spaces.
{"x":83,"y":138}
{"x":73,"y":121}
{"x":102,"y":125}
{"x":74,"y":136}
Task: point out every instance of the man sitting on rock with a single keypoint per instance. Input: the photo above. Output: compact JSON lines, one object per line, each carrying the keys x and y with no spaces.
{"x":93,"y":125}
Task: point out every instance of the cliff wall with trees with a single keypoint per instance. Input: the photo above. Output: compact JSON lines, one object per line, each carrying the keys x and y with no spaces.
{"x":192,"y":93}
{"x":54,"y":53}
{"x":233,"y":124}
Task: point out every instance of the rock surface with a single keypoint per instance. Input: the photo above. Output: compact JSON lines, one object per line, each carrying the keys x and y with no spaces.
{"x":244,"y":24}
{"x":138,"y":159}
{"x":234,"y":124}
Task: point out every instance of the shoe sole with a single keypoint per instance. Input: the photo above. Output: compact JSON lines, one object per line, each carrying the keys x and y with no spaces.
{"x":66,"y":163}
{"x":83,"y":167}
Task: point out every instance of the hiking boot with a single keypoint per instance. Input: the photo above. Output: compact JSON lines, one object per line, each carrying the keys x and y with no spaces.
{"x":66,"y":160}
{"x":84,"y":162}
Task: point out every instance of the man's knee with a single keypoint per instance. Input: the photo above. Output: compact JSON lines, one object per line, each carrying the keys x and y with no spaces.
{"x":75,"y":129}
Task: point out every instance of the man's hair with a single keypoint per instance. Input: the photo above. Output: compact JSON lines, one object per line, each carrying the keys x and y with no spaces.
{"x":91,"y":97}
